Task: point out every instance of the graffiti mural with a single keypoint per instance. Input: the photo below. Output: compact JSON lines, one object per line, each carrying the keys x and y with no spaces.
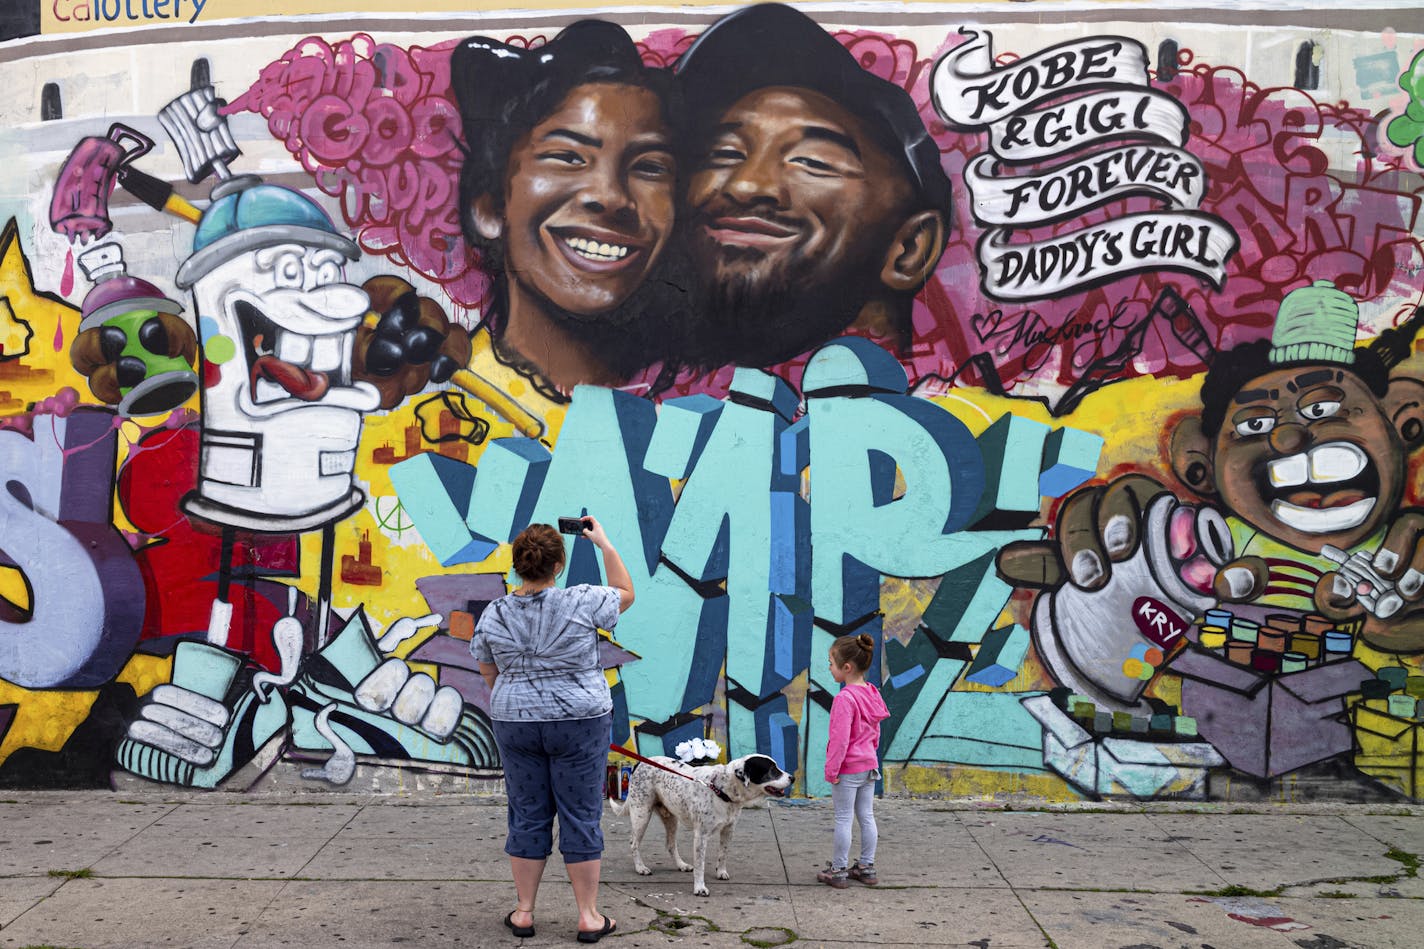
{"x":1072,"y":356}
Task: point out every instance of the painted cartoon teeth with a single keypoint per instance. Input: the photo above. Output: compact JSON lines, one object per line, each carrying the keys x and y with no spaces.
{"x":1333,"y":461}
{"x":293,"y":347}
{"x":1336,"y":461}
{"x":1291,"y":470}
{"x":326,"y":353}
{"x":1323,"y":520}
{"x":593,"y":250}
{"x":318,"y":353}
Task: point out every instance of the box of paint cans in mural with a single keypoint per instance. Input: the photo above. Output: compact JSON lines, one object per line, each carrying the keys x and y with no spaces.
{"x":1388,"y":718}
{"x":1268,"y":688}
{"x":1155,"y":755}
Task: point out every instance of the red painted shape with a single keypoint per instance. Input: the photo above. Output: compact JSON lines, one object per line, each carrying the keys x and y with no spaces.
{"x":180,"y":562}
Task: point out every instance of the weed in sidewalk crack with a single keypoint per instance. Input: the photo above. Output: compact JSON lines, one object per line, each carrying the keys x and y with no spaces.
{"x":1235,"y":889}
{"x":1410,"y":861}
{"x":767,"y":937}
{"x":83,"y":874}
{"x":675,"y":924}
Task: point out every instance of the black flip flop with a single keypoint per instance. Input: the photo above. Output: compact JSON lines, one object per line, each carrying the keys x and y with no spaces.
{"x":523,"y":932}
{"x":593,"y":935}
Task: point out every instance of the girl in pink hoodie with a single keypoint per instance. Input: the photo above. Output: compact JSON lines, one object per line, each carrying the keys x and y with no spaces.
{"x":852,"y":765}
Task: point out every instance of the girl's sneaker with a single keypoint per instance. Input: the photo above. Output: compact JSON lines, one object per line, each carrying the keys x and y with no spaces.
{"x":864,"y":872}
{"x":839,"y":879}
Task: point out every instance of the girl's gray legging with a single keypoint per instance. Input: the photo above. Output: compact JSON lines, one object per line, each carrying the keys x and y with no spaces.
{"x":854,"y":794}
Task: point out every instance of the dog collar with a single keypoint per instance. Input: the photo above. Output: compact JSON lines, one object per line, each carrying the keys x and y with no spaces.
{"x":719,"y":792}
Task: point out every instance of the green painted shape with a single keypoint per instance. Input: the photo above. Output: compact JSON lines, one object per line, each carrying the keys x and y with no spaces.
{"x":1012,"y":447}
{"x":971,"y":596}
{"x":987,"y":729}
{"x":999,"y":656}
{"x":937,"y":682}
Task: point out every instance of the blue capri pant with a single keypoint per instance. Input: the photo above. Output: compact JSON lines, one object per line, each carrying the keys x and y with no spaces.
{"x":555,"y":767}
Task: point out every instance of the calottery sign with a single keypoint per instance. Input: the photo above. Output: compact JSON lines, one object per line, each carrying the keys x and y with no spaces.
{"x":70,"y":16}
{"x":60,"y":16}
{"x":73,"y":16}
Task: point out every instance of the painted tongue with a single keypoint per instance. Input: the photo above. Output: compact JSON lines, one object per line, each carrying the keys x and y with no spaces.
{"x":1317,"y":500}
{"x":302,"y":383}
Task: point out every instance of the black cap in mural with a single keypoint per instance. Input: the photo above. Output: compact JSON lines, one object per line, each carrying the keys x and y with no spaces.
{"x":771,"y":44}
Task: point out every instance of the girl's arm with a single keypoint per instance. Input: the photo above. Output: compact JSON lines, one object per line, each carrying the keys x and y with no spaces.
{"x":488,"y":672}
{"x":613,"y":566}
{"x":837,"y":738}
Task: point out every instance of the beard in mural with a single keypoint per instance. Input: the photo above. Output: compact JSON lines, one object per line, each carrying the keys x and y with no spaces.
{"x":568,"y":192}
{"x":816,"y":200}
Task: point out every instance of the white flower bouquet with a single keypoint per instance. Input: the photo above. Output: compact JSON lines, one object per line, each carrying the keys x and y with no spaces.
{"x":698,"y":751}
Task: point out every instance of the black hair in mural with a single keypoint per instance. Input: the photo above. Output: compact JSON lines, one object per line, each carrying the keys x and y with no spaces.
{"x":1235,"y":367}
{"x":771,"y":44}
{"x":503,"y":92}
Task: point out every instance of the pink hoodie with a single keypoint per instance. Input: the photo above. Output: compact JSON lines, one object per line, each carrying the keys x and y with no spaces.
{"x":856,"y":714}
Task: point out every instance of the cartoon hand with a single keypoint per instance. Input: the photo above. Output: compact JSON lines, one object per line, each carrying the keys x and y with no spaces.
{"x":1096,"y":527}
{"x":1384,"y":584}
{"x":181,"y":722}
{"x":1400,"y":559}
{"x":411,"y":698}
{"x":406,"y":342}
{"x":406,"y":627}
{"x":1242,"y":580}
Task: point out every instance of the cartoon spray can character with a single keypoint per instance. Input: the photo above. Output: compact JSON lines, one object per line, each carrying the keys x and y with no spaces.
{"x":132,"y":345}
{"x":281,"y":410}
{"x":281,"y":413}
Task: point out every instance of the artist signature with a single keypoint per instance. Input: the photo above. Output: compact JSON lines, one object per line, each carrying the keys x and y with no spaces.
{"x":1081,"y":333}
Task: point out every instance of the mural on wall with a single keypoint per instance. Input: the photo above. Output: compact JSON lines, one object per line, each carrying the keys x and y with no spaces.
{"x":1077,"y":367}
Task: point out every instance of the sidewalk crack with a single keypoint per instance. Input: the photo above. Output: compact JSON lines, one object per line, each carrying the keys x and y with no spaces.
{"x":781,"y":853}
{"x":1172,"y":838}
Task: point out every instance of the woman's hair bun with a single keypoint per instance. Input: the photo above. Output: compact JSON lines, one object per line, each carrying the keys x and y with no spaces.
{"x":538,"y":553}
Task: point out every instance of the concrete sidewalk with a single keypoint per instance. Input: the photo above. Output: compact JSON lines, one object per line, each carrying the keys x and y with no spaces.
{"x":214,"y":870}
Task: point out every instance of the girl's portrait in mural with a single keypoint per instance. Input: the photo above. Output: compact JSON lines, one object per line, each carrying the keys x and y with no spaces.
{"x":568,"y":192}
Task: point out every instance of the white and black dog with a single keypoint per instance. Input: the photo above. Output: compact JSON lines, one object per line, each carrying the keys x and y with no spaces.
{"x":710,"y":799}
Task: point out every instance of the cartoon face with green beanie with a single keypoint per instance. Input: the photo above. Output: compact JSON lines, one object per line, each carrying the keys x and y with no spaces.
{"x":1303,"y":441}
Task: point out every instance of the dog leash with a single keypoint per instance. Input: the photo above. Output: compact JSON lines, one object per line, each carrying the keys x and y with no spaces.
{"x":662,"y":767}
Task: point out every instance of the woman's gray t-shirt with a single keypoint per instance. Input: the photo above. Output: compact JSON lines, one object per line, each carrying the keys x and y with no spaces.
{"x":545,"y":647}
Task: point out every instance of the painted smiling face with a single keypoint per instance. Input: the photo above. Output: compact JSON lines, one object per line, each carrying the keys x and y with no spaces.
{"x":1310,"y":456}
{"x":792,"y":201}
{"x":588,"y":203}
{"x":281,"y":414}
{"x":298,"y":330}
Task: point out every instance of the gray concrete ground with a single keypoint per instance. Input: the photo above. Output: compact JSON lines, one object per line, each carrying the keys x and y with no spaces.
{"x":216,"y":870}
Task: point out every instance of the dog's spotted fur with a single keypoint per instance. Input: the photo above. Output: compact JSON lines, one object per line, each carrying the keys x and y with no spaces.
{"x":676,"y":800}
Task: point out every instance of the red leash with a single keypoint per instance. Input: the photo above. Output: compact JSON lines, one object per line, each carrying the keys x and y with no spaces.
{"x":662,"y":767}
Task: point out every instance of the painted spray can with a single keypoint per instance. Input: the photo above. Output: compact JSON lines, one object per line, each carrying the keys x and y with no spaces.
{"x":79,"y":205}
{"x":1084,"y":637}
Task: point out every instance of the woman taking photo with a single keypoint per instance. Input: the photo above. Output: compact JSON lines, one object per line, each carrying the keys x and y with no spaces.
{"x":568,"y":192}
{"x":537,"y":648}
